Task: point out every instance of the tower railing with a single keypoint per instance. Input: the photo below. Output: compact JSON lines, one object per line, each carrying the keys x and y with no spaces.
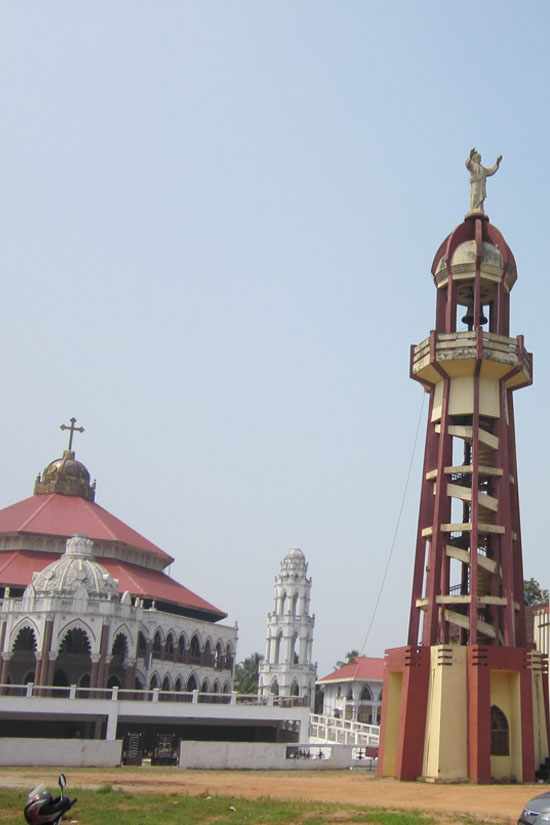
{"x":463,"y":345}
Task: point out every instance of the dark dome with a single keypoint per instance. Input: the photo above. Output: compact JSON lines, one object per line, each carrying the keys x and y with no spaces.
{"x":65,"y":468}
{"x":66,"y":476}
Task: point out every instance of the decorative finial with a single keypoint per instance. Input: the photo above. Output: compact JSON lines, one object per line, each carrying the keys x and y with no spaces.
{"x":72,"y":429}
{"x":478,"y":176}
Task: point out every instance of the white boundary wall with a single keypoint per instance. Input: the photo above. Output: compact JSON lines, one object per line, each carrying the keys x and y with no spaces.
{"x":66,"y":752}
{"x":267,"y":756}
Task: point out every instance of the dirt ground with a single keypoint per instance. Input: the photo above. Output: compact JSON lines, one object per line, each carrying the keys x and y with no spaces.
{"x":450,"y":803}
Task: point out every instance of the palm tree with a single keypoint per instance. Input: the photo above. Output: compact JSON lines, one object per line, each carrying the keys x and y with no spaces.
{"x":351,"y":656}
{"x":247,"y":674}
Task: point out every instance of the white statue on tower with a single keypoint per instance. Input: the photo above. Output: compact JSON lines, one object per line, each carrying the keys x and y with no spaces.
{"x":478,"y":176}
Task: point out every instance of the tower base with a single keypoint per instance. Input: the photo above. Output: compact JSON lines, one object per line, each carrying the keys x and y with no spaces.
{"x":453,"y":713}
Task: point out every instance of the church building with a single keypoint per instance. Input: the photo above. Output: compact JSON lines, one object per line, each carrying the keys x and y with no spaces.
{"x":86,"y":601}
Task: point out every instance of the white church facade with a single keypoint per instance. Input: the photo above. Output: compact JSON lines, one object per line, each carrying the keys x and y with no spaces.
{"x":97,"y":642}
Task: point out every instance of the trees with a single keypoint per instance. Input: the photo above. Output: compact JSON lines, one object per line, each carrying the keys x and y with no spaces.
{"x":351,"y":656}
{"x":533,"y":592}
{"x":247,"y":674}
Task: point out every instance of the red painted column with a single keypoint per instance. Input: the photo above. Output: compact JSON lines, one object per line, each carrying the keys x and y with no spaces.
{"x":103,"y":664}
{"x":479,"y":714}
{"x":527,"y":732}
{"x":414,"y":695}
{"x":129,"y":676}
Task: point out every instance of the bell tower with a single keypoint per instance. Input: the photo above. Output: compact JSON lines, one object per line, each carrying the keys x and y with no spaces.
{"x":287,"y":669}
{"x":467,"y":698}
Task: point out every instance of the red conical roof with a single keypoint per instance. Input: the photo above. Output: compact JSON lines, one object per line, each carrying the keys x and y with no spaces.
{"x":61,"y":515}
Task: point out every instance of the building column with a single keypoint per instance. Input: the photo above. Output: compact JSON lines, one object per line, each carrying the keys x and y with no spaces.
{"x":95,"y":657}
{"x":48,"y":669}
{"x":129,"y":679}
{"x":104,"y":659}
{"x":42,"y":668}
{"x":479,"y":714}
{"x":4,"y":670}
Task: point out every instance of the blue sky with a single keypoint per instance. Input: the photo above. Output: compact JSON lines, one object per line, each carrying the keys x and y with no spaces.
{"x":218,"y":221}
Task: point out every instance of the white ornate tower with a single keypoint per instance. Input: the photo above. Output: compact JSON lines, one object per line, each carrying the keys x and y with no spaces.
{"x":287,"y":669}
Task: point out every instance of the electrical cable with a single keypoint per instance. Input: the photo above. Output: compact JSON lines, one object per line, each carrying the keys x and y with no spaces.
{"x":392,"y":547}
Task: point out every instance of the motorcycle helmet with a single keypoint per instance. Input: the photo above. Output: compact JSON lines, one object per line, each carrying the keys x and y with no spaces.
{"x":42,"y":809}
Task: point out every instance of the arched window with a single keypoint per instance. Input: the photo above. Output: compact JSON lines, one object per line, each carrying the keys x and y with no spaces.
{"x":195,"y":648}
{"x":74,"y":659}
{"x":283,"y":603}
{"x":22,"y":662}
{"x":179,"y":684}
{"x":500,"y":733}
{"x":166,"y":683}
{"x":84,"y":682}
{"x":293,"y":654}
{"x":294,"y":604}
{"x":25,"y":640}
{"x":76,"y":642}
{"x":205,"y":688}
{"x":366,"y":694}
{"x":120,"y":647}
{"x":277,"y":648}
{"x":153,"y":682}
{"x":119,"y":653}
{"x":60,"y":679}
{"x":191,"y":683}
{"x":157,"y":644}
{"x":170,"y":644}
{"x":141,"y":645}
{"x":294,"y":690}
{"x":181,"y":646}
{"x":274,"y":689}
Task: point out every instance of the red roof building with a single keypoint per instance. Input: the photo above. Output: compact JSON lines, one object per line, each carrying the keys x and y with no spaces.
{"x":354,"y":691}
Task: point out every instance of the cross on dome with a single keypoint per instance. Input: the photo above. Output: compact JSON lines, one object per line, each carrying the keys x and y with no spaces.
{"x":73,"y":430}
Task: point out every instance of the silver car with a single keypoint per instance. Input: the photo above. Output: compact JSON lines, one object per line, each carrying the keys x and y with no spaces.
{"x":537,"y":810}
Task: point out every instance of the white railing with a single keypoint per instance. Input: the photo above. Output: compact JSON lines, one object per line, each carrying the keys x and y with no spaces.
{"x":31,"y":691}
{"x":343,"y":731}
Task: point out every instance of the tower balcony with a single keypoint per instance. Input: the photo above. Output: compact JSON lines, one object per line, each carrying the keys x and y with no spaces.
{"x":456,"y":355}
{"x":289,"y":620}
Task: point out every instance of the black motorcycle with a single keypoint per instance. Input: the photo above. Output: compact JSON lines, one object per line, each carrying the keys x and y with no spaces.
{"x":42,"y":809}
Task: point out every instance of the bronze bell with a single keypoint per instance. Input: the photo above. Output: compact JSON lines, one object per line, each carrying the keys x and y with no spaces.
{"x":469,"y":317}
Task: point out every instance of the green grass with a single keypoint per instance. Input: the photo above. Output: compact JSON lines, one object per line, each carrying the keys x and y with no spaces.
{"x":106,"y":806}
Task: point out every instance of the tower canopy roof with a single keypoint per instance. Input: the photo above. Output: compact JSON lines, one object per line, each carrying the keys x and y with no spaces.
{"x":458,"y":251}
